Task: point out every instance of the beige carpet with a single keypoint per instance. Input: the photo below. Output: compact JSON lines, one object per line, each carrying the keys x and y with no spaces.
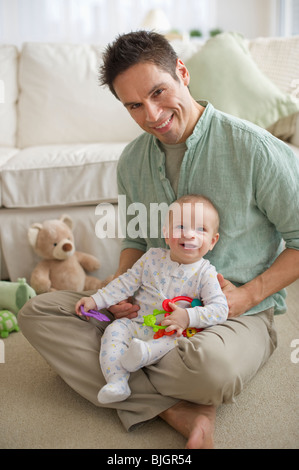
{"x":39,"y":411}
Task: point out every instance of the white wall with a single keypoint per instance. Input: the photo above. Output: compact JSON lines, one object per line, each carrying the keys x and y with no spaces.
{"x":252,"y":18}
{"x":98,"y":21}
{"x":94,"y":21}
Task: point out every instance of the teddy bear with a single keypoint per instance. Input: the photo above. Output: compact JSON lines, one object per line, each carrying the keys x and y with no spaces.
{"x":62,"y":267}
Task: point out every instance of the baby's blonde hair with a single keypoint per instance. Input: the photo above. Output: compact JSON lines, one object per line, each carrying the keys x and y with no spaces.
{"x":193,"y":198}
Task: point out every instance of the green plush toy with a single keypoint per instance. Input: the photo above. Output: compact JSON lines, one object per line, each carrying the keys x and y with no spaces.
{"x":13,"y":295}
{"x":8,"y":323}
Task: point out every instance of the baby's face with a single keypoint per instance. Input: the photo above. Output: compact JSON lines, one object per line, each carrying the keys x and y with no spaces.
{"x":192,"y":231}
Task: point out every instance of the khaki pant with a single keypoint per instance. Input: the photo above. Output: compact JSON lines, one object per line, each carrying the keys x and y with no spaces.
{"x":210,"y":368}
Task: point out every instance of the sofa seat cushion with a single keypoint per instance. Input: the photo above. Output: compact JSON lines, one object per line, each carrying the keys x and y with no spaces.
{"x":84,"y":219}
{"x":59,"y":175}
{"x":6,"y":153}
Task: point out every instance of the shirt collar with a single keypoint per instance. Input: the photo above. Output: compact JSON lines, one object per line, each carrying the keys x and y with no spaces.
{"x":202,"y":124}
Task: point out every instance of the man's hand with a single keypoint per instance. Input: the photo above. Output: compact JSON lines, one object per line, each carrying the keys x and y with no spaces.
{"x":178,"y":320}
{"x":237,"y":297}
{"x":281,"y":273}
{"x":125,"y":308}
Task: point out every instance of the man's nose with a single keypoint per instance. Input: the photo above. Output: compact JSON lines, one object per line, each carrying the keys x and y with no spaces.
{"x":152,"y":112}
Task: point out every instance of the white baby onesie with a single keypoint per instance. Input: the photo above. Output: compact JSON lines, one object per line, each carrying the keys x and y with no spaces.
{"x":128,"y":345}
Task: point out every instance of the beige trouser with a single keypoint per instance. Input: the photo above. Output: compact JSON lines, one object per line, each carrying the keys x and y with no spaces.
{"x":210,"y":368}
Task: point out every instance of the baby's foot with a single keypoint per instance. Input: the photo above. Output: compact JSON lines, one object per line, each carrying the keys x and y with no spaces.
{"x":113,"y":392}
{"x":137,"y":356}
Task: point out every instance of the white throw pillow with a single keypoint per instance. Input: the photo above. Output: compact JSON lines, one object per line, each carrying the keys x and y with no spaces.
{"x":8,"y":95}
{"x":61,"y":101}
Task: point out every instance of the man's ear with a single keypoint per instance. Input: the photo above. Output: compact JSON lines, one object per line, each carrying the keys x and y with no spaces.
{"x":182,"y":72}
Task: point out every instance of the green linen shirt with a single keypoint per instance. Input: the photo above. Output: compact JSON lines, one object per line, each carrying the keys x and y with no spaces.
{"x":251,"y":177}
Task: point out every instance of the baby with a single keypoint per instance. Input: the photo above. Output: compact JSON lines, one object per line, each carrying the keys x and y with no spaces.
{"x":190,"y":231}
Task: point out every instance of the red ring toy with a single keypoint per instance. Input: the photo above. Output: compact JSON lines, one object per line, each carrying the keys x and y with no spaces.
{"x":174,"y":300}
{"x":166,"y":308}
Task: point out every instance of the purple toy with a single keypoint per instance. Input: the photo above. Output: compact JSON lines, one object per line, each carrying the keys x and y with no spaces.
{"x":95,"y":314}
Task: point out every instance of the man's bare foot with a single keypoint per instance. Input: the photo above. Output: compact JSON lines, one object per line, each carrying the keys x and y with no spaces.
{"x":195,"y":422}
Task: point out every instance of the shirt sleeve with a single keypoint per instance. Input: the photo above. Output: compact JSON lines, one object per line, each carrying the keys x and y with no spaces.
{"x":215,"y":309}
{"x":276,"y":188}
{"x":126,"y":219}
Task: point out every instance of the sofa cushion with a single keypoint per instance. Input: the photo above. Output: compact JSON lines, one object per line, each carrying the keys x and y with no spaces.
{"x":61,"y":175}
{"x":8,"y":95}
{"x":278,"y":60}
{"x":61,"y":101}
{"x":224,"y":73}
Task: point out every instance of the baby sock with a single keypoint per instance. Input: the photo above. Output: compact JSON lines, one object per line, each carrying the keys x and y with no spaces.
{"x":137,"y":356}
{"x":114,"y":391}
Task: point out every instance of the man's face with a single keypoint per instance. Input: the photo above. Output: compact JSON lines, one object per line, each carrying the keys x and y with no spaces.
{"x":160,"y":105}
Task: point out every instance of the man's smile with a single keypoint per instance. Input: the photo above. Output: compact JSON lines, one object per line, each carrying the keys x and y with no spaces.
{"x":165,"y":123}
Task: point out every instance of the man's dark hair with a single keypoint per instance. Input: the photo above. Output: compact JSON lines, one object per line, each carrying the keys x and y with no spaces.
{"x":134,"y":48}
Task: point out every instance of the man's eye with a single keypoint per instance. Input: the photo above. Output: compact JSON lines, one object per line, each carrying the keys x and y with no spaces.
{"x":158,"y":92}
{"x":200,"y":229}
{"x":135,"y":106}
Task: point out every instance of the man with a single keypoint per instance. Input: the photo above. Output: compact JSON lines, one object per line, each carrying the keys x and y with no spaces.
{"x":252,"y":179}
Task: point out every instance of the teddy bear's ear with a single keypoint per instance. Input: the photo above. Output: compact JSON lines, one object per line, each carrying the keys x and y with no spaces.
{"x":33,"y":233}
{"x":67,"y":220}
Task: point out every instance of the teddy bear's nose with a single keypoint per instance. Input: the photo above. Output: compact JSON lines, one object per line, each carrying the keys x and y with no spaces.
{"x":67,"y":247}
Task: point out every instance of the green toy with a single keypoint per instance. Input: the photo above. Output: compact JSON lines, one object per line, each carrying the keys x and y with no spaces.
{"x":8,"y":323}
{"x":13,"y":295}
{"x":150,"y":320}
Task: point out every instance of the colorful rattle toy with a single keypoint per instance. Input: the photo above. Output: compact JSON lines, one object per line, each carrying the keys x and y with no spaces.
{"x":95,"y":314}
{"x":8,"y":323}
{"x":159,"y":330}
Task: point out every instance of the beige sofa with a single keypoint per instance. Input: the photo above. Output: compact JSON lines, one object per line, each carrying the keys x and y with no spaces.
{"x":61,"y":136}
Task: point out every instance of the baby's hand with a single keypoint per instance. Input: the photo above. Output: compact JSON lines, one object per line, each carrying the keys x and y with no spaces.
{"x":88,"y":304}
{"x":178,"y":320}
